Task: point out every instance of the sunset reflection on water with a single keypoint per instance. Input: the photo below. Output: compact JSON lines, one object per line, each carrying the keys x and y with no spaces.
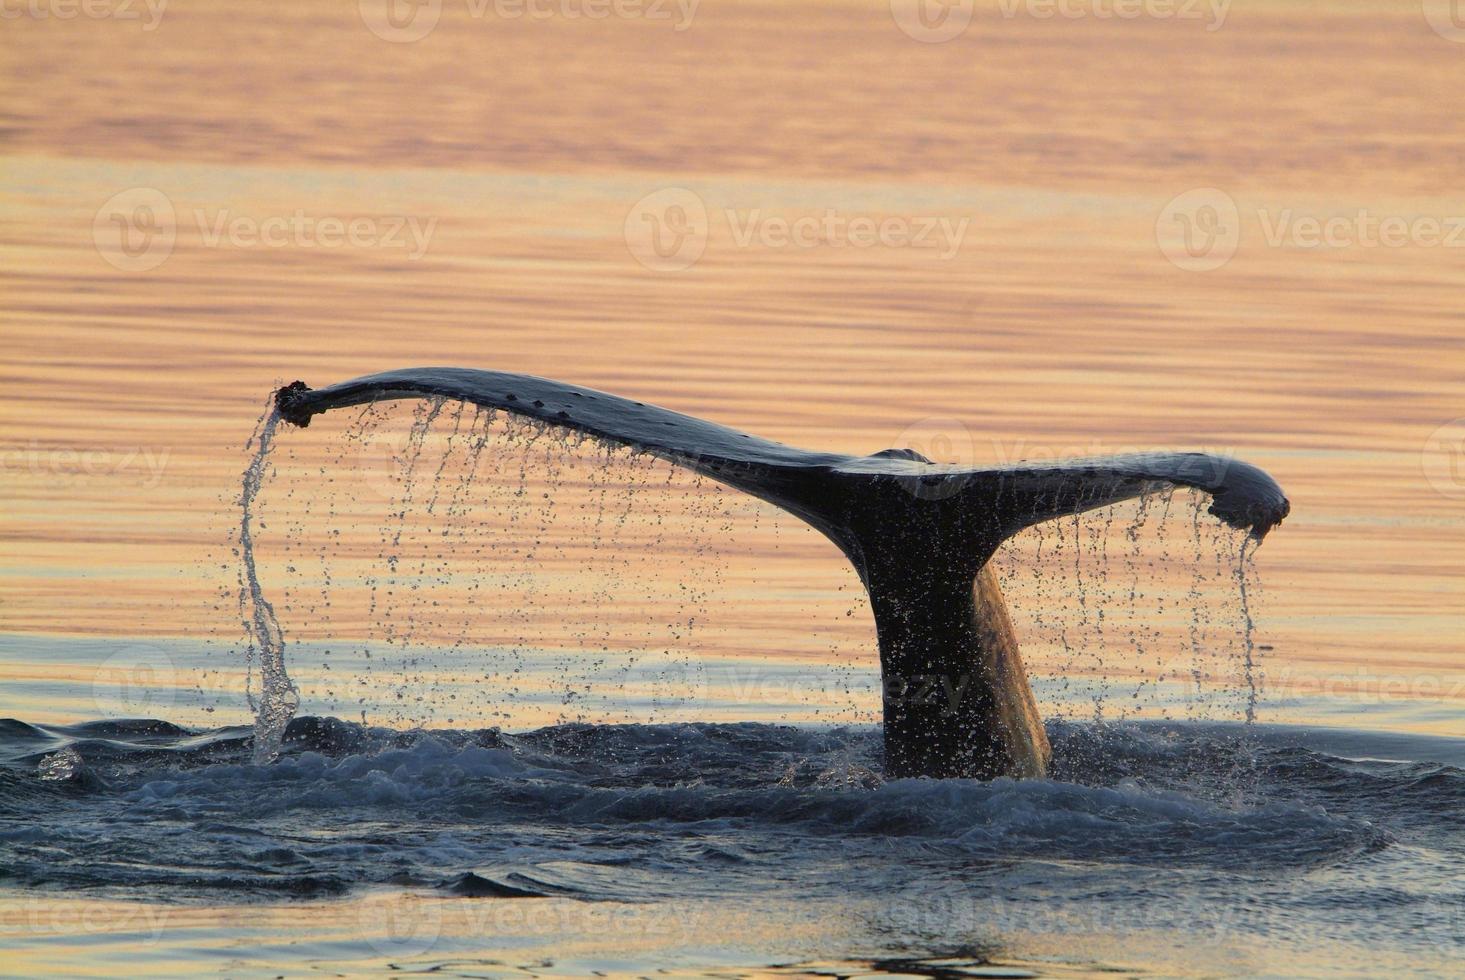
{"x":895,"y":243}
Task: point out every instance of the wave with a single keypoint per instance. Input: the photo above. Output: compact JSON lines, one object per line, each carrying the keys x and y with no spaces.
{"x":632,"y":811}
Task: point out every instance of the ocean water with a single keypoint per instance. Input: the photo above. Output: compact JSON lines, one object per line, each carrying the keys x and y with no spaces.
{"x":634,"y":834}
{"x":739,"y":849}
{"x":684,"y":777}
{"x":480,"y":588}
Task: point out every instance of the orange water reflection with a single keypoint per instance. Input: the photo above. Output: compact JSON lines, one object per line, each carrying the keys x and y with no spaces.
{"x":518,"y":149}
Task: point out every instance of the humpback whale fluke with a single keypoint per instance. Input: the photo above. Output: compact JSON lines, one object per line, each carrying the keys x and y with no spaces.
{"x":956,"y":698}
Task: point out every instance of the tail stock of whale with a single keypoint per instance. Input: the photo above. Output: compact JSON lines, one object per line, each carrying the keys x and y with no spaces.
{"x":956,"y":697}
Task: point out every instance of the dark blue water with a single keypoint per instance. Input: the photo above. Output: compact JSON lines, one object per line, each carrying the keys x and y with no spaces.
{"x":1253,"y":835}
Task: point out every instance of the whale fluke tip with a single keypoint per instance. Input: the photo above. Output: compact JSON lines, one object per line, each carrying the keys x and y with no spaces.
{"x":1252,"y":516}
{"x":1248,"y":499}
{"x":291,"y":403}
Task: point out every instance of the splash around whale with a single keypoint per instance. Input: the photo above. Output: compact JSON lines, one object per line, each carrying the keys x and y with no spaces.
{"x":956,"y":698}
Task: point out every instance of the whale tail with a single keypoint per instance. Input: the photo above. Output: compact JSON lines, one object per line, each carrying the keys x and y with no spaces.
{"x":956,"y":697}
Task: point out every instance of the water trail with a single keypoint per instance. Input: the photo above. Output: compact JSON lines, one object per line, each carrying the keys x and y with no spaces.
{"x":481,"y":567}
{"x":1248,"y":642}
{"x":278,"y":698}
{"x":511,"y":572}
{"x":1128,"y":611}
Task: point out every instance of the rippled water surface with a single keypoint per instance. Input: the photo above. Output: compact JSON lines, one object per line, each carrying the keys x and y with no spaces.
{"x":581,"y":713}
{"x":1153,"y":847}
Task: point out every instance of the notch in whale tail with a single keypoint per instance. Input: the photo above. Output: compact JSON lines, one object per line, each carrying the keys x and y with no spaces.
{"x":956,"y":697}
